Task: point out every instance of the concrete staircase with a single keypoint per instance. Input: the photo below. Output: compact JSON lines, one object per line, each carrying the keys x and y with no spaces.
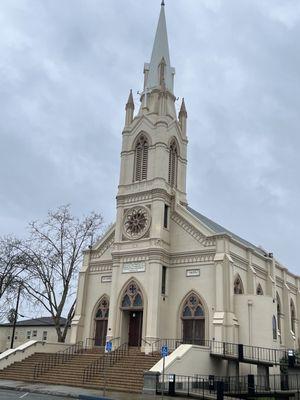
{"x":125,"y":375}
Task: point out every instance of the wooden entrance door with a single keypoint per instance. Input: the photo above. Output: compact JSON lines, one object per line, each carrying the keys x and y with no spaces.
{"x":135,"y":328}
{"x":101,"y":330}
{"x":194,"y":331}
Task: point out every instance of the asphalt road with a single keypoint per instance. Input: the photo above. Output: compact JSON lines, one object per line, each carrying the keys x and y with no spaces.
{"x":14,"y":395}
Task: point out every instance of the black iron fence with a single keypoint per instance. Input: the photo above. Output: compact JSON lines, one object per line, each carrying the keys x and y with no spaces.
{"x":105,"y":361}
{"x":280,"y":386}
{"x":55,"y":359}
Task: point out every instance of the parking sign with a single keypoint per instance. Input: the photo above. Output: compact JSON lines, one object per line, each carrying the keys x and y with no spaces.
{"x":164,"y":351}
{"x":108,"y":347}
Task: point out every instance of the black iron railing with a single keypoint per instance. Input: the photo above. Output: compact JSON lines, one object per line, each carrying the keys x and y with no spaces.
{"x":105,"y":361}
{"x":280,"y":386}
{"x":55,"y":359}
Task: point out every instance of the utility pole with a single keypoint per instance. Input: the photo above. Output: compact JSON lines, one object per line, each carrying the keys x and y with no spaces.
{"x":16,"y":317}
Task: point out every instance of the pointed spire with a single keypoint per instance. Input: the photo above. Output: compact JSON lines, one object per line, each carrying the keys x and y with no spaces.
{"x":183,"y":111}
{"x":130,"y":102}
{"x":129,"y":109}
{"x":183,"y":117}
{"x":160,"y":51}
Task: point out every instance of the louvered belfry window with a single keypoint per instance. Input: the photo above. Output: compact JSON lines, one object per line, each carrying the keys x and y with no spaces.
{"x":141,"y":159}
{"x":173,"y":164}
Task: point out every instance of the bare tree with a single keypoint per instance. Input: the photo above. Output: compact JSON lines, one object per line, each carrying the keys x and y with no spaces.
{"x":10,"y":272}
{"x":52,"y":256}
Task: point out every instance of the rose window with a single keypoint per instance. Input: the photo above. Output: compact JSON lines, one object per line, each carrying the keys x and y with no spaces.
{"x":136,"y":222}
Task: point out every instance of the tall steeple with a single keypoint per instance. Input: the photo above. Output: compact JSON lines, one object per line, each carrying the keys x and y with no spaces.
{"x":160,"y":58}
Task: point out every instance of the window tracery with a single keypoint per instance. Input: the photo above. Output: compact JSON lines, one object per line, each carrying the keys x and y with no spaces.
{"x":141,"y":159}
{"x":173,"y":163}
{"x":132,"y":297}
{"x":238,"y":286}
{"x":103,"y":309}
{"x":193,"y":308}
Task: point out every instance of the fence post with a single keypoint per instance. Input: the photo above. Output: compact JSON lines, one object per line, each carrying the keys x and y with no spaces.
{"x":241,"y":352}
{"x":188,"y":393}
{"x":251,"y":385}
{"x":220,"y":390}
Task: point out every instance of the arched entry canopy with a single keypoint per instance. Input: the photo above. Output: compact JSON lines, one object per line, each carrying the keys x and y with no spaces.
{"x":132,"y":305}
{"x":193,"y":320}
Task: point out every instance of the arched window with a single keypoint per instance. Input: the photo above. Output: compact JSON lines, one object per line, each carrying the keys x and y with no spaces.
{"x":238,"y":286}
{"x":101,"y":320}
{"x":132,"y":297}
{"x":173,"y":163}
{"x":193,"y":321}
{"x":274,"y":327}
{"x":278,"y":312}
{"x":141,"y":159}
{"x":293,"y":316}
{"x":259,"y":290}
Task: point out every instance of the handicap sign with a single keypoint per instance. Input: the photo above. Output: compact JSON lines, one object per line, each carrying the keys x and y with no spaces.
{"x":108,"y":347}
{"x":164,"y":351}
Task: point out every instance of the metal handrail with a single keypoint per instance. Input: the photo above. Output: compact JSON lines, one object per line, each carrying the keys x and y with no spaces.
{"x":107,"y":360}
{"x":57,"y":358}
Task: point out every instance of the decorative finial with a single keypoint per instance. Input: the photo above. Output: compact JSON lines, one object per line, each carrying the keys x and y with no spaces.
{"x":163,"y":2}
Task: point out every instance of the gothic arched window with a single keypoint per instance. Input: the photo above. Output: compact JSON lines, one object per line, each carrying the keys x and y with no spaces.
{"x":132,"y":297}
{"x":274,"y":327}
{"x":293,"y":316}
{"x":101,"y":320}
{"x":173,"y":163}
{"x":238,"y":286}
{"x":193,"y":321}
{"x":278,"y":308}
{"x":259,"y":290}
{"x":141,"y":159}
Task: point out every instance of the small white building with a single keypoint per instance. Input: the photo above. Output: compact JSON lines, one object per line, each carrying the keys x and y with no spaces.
{"x":41,"y":329}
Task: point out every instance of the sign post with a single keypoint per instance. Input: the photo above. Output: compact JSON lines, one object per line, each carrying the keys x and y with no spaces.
{"x":108,"y":349}
{"x":164,"y":354}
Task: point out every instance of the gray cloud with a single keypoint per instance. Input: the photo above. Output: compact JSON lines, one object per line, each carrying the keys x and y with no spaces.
{"x":65,"y":71}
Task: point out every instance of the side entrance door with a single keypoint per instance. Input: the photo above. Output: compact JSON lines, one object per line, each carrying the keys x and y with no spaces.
{"x":101,"y":329}
{"x":135,"y":328}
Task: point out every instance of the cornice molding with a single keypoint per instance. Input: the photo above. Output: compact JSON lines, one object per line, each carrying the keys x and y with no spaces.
{"x":195,"y":233}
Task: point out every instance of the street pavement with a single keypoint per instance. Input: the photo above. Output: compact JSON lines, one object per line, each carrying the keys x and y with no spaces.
{"x":38,"y":391}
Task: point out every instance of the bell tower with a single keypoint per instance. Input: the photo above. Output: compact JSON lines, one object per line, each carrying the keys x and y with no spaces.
{"x":154,"y":150}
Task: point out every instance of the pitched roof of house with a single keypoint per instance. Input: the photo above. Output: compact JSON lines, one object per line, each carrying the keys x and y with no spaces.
{"x":218,"y":229}
{"x":42,"y":321}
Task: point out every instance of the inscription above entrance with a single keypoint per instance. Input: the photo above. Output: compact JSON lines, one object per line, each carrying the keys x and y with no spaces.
{"x":192,"y":272}
{"x":128,"y":268}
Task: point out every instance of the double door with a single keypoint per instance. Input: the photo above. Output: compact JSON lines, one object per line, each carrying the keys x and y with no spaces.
{"x":101,"y":332}
{"x":194,"y":331}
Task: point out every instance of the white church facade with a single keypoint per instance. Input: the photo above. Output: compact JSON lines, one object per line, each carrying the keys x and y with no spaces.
{"x":163,"y":270}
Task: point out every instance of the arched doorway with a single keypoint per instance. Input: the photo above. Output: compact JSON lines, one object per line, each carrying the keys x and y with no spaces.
{"x":101,"y":320}
{"x":132,"y":306}
{"x":193,"y":321}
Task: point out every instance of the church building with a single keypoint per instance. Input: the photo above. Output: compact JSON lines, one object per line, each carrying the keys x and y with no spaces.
{"x":164,"y":270}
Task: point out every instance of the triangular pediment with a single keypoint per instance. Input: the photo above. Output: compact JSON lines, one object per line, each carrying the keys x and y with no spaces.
{"x":104,"y":245}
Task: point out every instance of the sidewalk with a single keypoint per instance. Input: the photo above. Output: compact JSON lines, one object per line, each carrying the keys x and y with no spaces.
{"x":74,"y":392}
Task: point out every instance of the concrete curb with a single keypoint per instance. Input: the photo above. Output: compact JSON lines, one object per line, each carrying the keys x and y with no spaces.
{"x":84,"y":397}
{"x":39,"y":391}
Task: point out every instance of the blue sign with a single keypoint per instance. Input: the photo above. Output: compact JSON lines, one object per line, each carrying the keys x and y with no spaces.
{"x":108,"y":347}
{"x":164,"y":351}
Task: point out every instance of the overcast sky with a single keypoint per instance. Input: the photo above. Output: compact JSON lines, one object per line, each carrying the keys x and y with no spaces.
{"x":66,"y":67}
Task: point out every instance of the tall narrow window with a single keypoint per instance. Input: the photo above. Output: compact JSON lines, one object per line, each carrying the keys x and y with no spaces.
{"x":173,"y":163}
{"x":278,"y":313}
{"x":259,"y":290}
{"x":166,"y":216}
{"x":274,"y":327}
{"x":238,"y":286}
{"x":293,"y":317}
{"x":163,"y":280}
{"x":141,"y":159}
